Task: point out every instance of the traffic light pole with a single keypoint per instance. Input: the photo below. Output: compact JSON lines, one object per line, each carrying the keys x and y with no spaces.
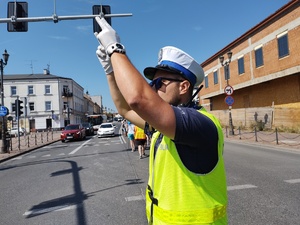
{"x":18,"y":120}
{"x":3,"y":134}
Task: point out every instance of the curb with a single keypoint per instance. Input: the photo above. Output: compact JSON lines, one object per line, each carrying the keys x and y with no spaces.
{"x":14,"y":155}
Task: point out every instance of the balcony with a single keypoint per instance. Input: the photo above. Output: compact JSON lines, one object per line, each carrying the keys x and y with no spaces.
{"x":66,"y":94}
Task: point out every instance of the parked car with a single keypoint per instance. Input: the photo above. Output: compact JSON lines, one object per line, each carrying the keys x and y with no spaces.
{"x":14,"y":131}
{"x":89,"y":129}
{"x":73,"y":132}
{"x":106,"y":129}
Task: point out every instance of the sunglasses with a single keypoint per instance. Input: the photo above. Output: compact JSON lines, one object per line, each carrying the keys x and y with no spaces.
{"x":157,"y":83}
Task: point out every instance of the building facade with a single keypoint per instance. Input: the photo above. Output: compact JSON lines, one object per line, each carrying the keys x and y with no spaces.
{"x":49,"y":101}
{"x":264,"y":73}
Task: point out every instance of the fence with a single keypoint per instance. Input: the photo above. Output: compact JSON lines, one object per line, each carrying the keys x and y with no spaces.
{"x":31,"y":140}
{"x":274,"y":137}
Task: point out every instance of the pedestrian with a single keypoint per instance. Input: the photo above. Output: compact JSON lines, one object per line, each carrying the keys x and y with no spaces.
{"x":140,"y":140}
{"x":187,"y":182}
{"x":130,"y":135}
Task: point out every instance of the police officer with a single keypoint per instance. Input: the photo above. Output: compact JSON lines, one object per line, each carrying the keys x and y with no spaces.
{"x":187,"y":183}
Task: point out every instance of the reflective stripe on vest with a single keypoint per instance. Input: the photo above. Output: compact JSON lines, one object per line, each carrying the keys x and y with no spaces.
{"x":188,"y":217}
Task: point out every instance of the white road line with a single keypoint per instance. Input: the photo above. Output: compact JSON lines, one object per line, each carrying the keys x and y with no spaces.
{"x":32,"y":157}
{"x":76,"y":149}
{"x":292,"y":181}
{"x":238,"y":187}
{"x":20,"y":157}
{"x":62,"y":154}
{"x":52,"y":209}
{"x":46,"y":155}
{"x":134,"y":198}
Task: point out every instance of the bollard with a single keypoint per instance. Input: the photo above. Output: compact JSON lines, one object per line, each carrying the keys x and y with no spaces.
{"x":240,"y":133}
{"x":276,"y":132}
{"x":255,"y":134}
{"x":226,"y":132}
{"x":35,"y":139}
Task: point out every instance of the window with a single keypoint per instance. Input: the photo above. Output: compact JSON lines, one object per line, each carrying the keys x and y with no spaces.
{"x":241,"y":66}
{"x":30,"y":90}
{"x":13,"y":107}
{"x":65,"y":105}
{"x":48,"y":106}
{"x":31,"y":106}
{"x":283,"y":46}
{"x":47,"y":89}
{"x":206,"y":81}
{"x":259,"y":59}
{"x":216,"y":77}
{"x":13,"y":90}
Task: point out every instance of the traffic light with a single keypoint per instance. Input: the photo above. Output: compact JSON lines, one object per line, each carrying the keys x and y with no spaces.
{"x":97,"y":9}
{"x":19,"y":107}
{"x":17,"y":10}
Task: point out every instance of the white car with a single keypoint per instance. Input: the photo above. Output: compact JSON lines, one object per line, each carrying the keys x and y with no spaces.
{"x":106,"y":129}
{"x":14,"y":131}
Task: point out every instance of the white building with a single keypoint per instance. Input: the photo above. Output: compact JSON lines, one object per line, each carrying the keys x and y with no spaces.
{"x":49,"y":101}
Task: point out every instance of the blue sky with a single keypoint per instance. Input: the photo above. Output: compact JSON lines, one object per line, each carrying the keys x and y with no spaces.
{"x":199,"y":27}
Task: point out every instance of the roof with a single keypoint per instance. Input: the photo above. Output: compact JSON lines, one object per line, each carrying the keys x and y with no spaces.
{"x":33,"y":77}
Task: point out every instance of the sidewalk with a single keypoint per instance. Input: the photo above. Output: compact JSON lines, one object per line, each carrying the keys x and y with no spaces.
{"x":28,"y":143}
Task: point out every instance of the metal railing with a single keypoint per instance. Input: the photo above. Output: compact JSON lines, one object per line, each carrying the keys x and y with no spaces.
{"x":274,"y":137}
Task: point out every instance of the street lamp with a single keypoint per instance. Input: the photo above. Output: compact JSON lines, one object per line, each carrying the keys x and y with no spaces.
{"x":225,"y":64}
{"x":3,"y":63}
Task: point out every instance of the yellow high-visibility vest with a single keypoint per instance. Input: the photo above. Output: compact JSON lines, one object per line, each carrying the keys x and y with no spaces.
{"x":139,"y":133}
{"x":176,"y":195}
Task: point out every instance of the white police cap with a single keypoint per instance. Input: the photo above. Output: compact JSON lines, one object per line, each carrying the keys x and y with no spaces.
{"x":174,"y":60}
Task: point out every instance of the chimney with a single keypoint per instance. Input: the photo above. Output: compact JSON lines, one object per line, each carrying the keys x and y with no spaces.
{"x":46,"y":72}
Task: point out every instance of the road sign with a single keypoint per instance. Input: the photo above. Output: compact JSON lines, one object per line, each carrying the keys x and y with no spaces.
{"x":228,"y":90}
{"x":229,"y":100}
{"x":3,"y":111}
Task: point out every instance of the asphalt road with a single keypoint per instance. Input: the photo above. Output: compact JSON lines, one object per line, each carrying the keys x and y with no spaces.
{"x":100,"y":181}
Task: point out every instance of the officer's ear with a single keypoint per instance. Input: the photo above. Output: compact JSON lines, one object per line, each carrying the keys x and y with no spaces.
{"x":184,"y":86}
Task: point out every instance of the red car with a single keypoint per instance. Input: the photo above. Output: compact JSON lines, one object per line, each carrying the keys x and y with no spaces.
{"x":73,"y":132}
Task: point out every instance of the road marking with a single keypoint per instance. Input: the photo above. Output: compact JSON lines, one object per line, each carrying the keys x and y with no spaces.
{"x":293,"y":181}
{"x":20,"y":157}
{"x":76,"y":149}
{"x":61,"y":154}
{"x":46,"y":155}
{"x":134,"y":198}
{"x":32,"y":157}
{"x":238,"y":187}
{"x":52,"y":209}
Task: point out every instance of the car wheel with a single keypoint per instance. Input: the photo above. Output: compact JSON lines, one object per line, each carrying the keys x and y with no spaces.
{"x":62,"y":140}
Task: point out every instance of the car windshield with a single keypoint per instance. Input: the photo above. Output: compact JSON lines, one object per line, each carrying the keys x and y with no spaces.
{"x":72,"y":127}
{"x":86,"y":125}
{"x":106,"y":126}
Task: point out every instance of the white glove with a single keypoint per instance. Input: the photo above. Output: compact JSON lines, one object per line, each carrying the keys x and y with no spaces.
{"x":108,"y":37}
{"x":104,"y":59}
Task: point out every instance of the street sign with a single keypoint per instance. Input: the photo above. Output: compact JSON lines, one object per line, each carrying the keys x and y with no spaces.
{"x":229,"y":100}
{"x":3,"y":111}
{"x":228,"y":90}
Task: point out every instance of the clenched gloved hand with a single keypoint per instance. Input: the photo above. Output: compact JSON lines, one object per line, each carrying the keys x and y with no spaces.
{"x":104,"y":60}
{"x":109,"y":38}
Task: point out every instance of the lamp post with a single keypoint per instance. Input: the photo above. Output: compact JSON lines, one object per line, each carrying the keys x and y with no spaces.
{"x":225,"y":64}
{"x":3,"y":63}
